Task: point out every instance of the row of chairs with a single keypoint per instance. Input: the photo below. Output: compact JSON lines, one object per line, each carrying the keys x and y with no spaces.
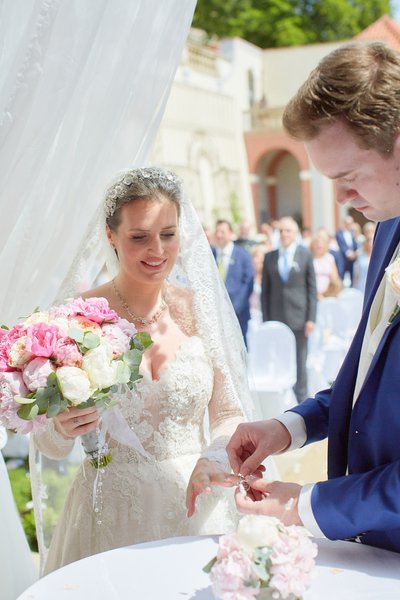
{"x":272,"y":353}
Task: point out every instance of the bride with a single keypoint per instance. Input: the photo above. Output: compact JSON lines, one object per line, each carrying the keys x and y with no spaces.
{"x":166,"y":284}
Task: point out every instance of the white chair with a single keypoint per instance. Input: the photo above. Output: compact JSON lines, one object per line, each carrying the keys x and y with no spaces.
{"x":272,"y":368}
{"x":331,"y":340}
{"x":351,"y":300}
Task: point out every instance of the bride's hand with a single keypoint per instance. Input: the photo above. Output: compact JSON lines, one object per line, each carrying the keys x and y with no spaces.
{"x":205,"y":474}
{"x":76,"y":421}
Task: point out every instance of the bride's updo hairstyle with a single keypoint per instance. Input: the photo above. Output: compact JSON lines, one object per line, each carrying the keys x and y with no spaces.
{"x":147,"y":183}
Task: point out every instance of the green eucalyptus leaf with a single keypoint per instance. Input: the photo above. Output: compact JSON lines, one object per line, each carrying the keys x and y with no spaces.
{"x":90,"y":340}
{"x":132,"y":358}
{"x":123,"y":372}
{"x":28,"y":412}
{"x":141,"y":341}
{"x":28,"y":400}
{"x":210,"y":565}
{"x":76,"y":334}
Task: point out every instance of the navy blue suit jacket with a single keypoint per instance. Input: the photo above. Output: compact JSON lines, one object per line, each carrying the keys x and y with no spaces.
{"x":345,"y":264}
{"x":366,"y":439}
{"x":239,"y":283}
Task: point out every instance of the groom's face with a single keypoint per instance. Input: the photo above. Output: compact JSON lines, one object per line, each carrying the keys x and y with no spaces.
{"x":363,"y":178}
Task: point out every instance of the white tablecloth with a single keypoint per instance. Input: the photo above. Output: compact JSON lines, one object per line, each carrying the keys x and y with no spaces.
{"x":172,"y":570}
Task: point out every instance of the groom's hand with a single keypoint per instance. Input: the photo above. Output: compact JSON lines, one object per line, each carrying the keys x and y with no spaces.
{"x":272,"y":498}
{"x":253,"y":442}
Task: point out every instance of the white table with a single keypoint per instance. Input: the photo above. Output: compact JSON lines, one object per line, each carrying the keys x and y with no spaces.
{"x":172,"y":570}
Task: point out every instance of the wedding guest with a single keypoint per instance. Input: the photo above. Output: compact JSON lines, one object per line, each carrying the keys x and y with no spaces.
{"x":245,"y":238}
{"x":326,"y":273}
{"x":362,"y":263}
{"x":194,"y":368}
{"x":289,"y":294}
{"x":347,"y":114}
{"x":348,"y":247}
{"x":236,"y":269}
{"x":258,"y":253}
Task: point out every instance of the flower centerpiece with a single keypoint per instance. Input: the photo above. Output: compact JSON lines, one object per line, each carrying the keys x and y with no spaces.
{"x":263,"y":559}
{"x":73,"y":355}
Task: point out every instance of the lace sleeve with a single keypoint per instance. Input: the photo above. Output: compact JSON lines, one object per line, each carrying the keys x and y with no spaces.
{"x":51,"y":443}
{"x":224,"y":416}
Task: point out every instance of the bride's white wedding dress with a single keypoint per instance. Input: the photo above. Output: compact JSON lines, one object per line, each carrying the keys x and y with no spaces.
{"x":144,"y":498}
{"x":17,"y":569}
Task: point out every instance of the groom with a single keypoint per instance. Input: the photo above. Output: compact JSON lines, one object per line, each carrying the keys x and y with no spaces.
{"x":348,"y":115}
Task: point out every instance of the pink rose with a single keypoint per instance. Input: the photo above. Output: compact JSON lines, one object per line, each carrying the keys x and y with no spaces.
{"x":35,"y":373}
{"x":42,"y":339}
{"x":67,"y":353}
{"x":95,"y":309}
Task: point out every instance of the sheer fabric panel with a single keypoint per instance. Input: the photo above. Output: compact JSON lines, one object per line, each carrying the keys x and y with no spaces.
{"x":83,"y":86}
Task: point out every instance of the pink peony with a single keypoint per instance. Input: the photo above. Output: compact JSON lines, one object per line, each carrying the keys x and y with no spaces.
{"x":95,"y":309}
{"x":292,"y":562}
{"x":14,"y":381}
{"x":7,"y":340}
{"x":119,"y":341}
{"x":67,"y":353}
{"x":229,"y":574}
{"x":62,"y":311}
{"x":42,"y":339}
{"x":35,"y":373}
{"x":126,"y":327}
{"x":12,"y":384}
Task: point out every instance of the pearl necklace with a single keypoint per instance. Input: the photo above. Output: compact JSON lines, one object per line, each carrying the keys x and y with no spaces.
{"x":141,"y":320}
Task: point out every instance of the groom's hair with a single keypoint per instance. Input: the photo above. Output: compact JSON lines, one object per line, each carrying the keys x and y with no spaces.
{"x":357,"y":84}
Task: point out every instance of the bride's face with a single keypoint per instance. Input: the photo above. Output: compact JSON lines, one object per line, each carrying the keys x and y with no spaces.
{"x":147,"y":239}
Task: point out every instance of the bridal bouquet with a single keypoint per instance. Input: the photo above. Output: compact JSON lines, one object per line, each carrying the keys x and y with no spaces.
{"x":263,"y":558}
{"x":73,"y":355}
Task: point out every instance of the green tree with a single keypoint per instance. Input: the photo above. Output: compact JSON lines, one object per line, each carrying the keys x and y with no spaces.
{"x":274,"y":23}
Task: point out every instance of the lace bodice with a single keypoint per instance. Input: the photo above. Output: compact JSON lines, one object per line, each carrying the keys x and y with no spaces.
{"x":167,"y":414}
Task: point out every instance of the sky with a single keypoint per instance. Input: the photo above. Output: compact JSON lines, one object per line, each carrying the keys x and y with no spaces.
{"x":396,"y":9}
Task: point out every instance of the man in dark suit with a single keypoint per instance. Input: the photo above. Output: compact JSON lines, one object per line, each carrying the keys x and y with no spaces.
{"x":236,"y":268}
{"x":348,"y":247}
{"x":289,"y":294}
{"x":348,"y":115}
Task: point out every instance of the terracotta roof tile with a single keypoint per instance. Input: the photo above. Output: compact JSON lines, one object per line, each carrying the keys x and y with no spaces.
{"x":385,"y":29}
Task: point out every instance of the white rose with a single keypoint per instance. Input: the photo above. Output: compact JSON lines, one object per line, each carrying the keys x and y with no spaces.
{"x":99,"y":366}
{"x":75,"y":384}
{"x":257,"y":530}
{"x":393,"y":276}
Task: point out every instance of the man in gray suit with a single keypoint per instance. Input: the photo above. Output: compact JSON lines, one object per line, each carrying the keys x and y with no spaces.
{"x":289,"y":294}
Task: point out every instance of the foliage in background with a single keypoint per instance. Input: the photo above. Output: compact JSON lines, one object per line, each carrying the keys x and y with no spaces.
{"x":21,"y":487}
{"x":274,"y":23}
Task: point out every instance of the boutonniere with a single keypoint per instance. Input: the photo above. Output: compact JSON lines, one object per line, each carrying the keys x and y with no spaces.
{"x":393,"y":277}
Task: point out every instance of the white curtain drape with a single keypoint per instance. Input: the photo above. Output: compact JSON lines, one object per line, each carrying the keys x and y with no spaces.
{"x":83,"y":86}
